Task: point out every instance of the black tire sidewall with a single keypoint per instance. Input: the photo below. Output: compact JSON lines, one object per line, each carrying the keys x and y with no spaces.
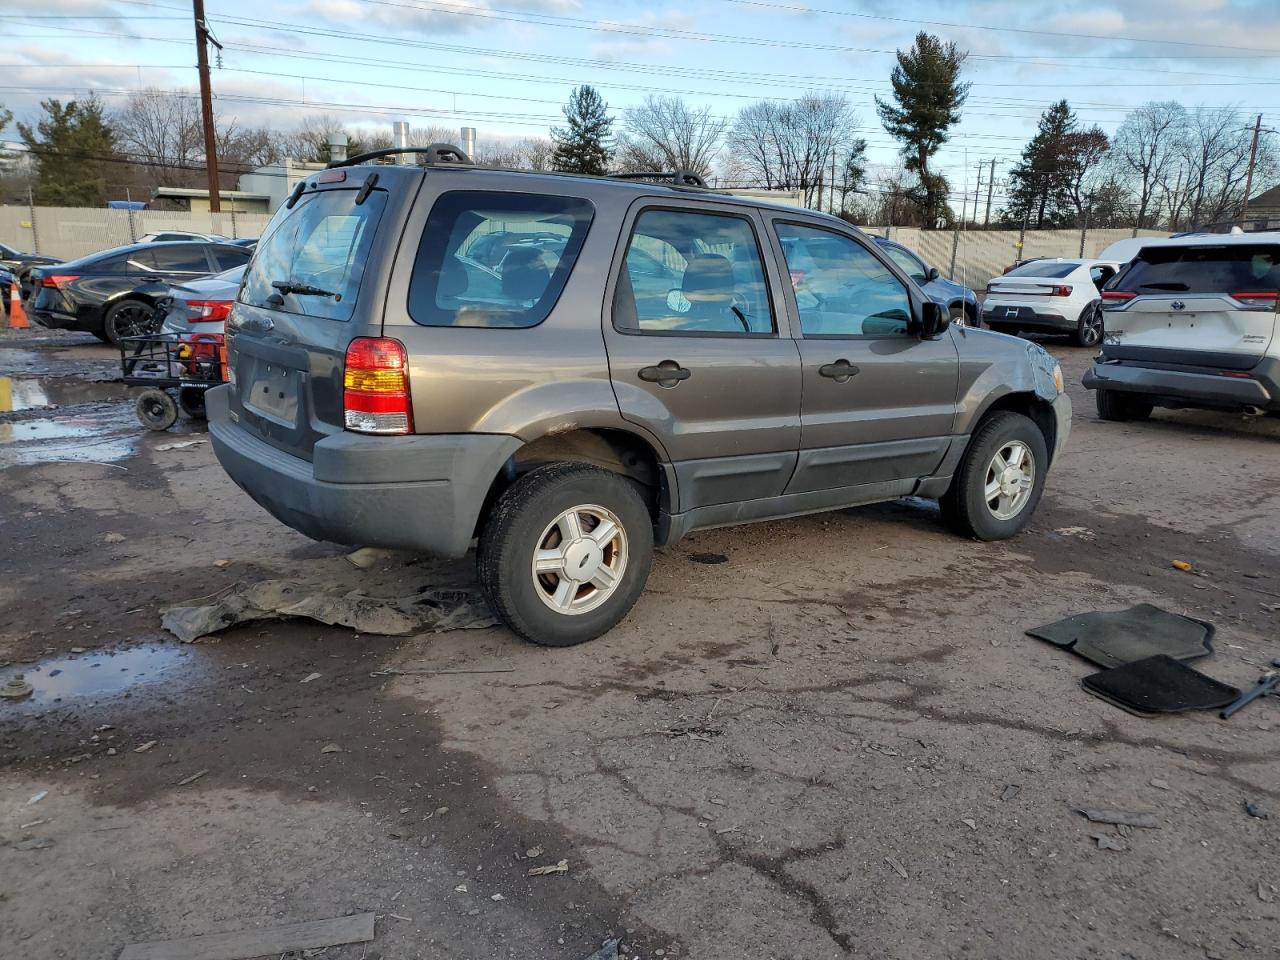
{"x":108,"y":320}
{"x":993,"y":434}
{"x":146,"y":416}
{"x":1083,"y":324}
{"x":511,"y":533}
{"x":191,"y":402}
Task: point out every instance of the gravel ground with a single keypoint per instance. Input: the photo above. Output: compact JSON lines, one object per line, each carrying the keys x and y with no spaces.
{"x":817,"y":738}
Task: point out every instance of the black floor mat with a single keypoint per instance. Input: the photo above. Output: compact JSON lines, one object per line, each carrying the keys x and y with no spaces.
{"x":1117,"y":637}
{"x":1158,"y":685}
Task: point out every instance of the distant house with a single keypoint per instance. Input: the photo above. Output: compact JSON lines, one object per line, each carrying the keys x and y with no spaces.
{"x":1266,"y":206}
{"x":260,"y":192}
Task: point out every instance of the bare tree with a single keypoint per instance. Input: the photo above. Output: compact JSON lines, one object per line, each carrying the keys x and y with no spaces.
{"x":161,"y":129}
{"x":665,"y":133}
{"x":794,"y":145}
{"x":1146,"y":149}
{"x":1084,"y":170}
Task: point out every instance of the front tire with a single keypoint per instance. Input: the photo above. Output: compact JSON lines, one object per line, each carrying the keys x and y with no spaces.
{"x":565,"y":553}
{"x":1089,"y":328}
{"x":1000,"y":480}
{"x":1119,"y":407}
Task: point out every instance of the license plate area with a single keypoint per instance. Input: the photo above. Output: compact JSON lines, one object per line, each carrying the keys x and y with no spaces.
{"x":272,"y":392}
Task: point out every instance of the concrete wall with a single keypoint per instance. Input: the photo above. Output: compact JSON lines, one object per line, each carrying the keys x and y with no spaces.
{"x":71,"y":232}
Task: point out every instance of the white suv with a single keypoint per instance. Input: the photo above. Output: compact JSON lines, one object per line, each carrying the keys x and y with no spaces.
{"x":1191,"y":322}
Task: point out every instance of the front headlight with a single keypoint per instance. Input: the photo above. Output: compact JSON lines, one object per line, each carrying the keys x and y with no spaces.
{"x":1057,"y":378}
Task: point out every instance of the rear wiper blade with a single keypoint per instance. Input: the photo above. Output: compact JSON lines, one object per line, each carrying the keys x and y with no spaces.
{"x":1172,"y":285}
{"x":302,"y":289}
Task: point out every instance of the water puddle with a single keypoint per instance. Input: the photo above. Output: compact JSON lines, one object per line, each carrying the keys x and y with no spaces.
{"x":23,"y":393}
{"x":99,"y":675}
{"x":97,"y":424}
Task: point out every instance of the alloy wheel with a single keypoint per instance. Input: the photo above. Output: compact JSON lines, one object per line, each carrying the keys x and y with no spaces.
{"x":1011,"y":476}
{"x":579,"y":560}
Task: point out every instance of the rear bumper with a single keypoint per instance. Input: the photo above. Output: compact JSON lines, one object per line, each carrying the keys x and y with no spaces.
{"x":1190,"y":387}
{"x":410,"y":493}
{"x":1026,"y":318}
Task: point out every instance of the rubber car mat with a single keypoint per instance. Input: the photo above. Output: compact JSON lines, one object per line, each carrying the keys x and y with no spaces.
{"x":1159,"y":684}
{"x":1116,"y":637}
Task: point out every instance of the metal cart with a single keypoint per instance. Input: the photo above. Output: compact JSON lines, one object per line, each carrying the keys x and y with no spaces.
{"x":176,"y":369}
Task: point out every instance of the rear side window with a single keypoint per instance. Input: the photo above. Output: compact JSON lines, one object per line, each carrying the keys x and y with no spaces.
{"x":142,"y":260}
{"x":694,"y":273}
{"x":228,"y":259}
{"x":490,"y":259}
{"x":912,"y":267}
{"x":1244,"y":268}
{"x":187,"y":258}
{"x":1044,"y":268}
{"x":312,"y":258}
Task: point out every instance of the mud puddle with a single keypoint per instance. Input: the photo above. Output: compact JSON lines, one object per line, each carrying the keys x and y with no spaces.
{"x":102,"y":676}
{"x":102,"y":437}
{"x":33,"y":393}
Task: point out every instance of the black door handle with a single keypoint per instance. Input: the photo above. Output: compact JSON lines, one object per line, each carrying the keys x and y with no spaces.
{"x":666,"y":374}
{"x":840,"y":371}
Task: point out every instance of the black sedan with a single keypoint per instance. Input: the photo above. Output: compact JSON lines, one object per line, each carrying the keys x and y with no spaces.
{"x":112,"y":294}
{"x":20,"y":264}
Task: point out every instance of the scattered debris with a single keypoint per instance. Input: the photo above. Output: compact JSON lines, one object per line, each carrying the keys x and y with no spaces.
{"x":15,"y":688}
{"x":1147,"y":821}
{"x":181,"y":444}
{"x":460,"y":888}
{"x":309,"y":677}
{"x":709,"y":558}
{"x":146,"y":746}
{"x":1161,"y":784}
{"x":221,"y":564}
{"x":331,"y":748}
{"x":1108,"y":842}
{"x":969,"y":822}
{"x":280,"y":599}
{"x":607,"y":951}
{"x":533,"y":853}
{"x":898,"y":868}
{"x":1010,"y":792}
{"x":193,"y":778}
{"x":1267,"y":684}
{"x":243,"y":944}
{"x":1081,"y":533}
{"x":37,"y":798}
{"x":33,"y":843}
{"x":114,"y":538}
{"x":561,"y":867}
{"x":496,"y":897}
{"x":366,"y":557}
{"x":396,"y":916}
{"x":1256,"y":810}
{"x":1266,"y":893}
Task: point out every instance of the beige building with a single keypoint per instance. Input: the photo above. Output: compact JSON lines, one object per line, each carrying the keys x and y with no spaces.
{"x":1266,"y":206}
{"x":259,"y":192}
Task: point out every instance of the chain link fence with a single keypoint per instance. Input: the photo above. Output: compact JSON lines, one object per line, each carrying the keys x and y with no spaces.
{"x":71,"y":232}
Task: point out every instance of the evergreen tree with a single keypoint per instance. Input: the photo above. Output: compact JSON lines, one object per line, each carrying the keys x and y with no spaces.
{"x":928,"y":96}
{"x":586,"y":144}
{"x":71,"y":146}
{"x":1040,"y":184}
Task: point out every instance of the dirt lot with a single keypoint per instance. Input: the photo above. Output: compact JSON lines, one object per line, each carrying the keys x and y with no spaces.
{"x":836,"y":742}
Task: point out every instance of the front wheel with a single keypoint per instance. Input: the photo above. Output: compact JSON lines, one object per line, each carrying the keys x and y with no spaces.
{"x":1000,"y":480}
{"x":1089,"y":327}
{"x":565,"y":553}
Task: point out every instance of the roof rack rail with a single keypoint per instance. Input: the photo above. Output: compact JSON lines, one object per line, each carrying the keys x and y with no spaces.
{"x":435,"y":153}
{"x":677,"y":177}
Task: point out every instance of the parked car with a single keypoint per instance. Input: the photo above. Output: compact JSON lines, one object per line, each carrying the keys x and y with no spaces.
{"x":247,"y":242}
{"x":112,"y":294}
{"x":1050,"y":295}
{"x":20,"y":265}
{"x":177,"y":236}
{"x":7,"y":279}
{"x":959,"y":300}
{"x":194,"y":315}
{"x":1192,"y":322}
{"x":385,"y":390}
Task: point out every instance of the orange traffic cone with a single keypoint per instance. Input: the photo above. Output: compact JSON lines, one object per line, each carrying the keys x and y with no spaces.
{"x":17,"y":316}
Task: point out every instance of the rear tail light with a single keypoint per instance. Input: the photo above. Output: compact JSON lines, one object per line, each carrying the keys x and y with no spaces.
{"x":1262,"y":298}
{"x":208,"y":311}
{"x":58,"y":280}
{"x":1060,"y":291}
{"x":1118,"y":295}
{"x":375,"y":395}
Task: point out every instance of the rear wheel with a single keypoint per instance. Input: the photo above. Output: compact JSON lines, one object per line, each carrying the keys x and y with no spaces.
{"x":191,"y":400}
{"x":1089,"y":327}
{"x":128,"y":318}
{"x":1121,"y":407}
{"x":156,"y":410}
{"x":1000,"y":480}
{"x":565,"y":553}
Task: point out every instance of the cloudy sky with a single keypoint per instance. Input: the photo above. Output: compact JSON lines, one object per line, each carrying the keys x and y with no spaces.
{"x":506,"y":66}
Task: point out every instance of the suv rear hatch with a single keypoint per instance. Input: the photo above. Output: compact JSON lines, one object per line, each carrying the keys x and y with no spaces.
{"x":315,"y":283}
{"x":1204,"y":305}
{"x":1033,"y":281}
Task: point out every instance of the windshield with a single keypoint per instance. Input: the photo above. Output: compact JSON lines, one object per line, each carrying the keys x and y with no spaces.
{"x":1045,"y":268}
{"x":1199,"y":269}
{"x":311,"y":258}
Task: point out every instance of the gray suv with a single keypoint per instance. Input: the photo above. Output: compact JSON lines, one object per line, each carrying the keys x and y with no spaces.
{"x":625,"y":363}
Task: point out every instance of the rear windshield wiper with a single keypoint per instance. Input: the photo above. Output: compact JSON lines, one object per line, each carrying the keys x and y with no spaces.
{"x":1172,"y":285}
{"x":303,"y":289}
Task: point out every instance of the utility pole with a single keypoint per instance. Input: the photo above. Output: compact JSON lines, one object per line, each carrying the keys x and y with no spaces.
{"x":203,"y":39}
{"x":1248,"y":177}
{"x":991,"y":182}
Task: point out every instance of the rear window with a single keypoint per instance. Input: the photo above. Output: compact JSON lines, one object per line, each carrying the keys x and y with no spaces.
{"x":321,"y":244}
{"x":1242,"y":268}
{"x":490,"y":259}
{"x":1044,"y":268}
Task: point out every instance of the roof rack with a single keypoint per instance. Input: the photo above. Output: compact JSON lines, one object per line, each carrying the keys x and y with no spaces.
{"x":679,"y":178}
{"x":435,"y":153}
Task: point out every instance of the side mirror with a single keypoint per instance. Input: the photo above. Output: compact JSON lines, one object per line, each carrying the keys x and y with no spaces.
{"x":934,"y":320}
{"x":933,"y":274}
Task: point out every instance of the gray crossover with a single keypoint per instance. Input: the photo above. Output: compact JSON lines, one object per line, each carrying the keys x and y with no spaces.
{"x":572,"y":370}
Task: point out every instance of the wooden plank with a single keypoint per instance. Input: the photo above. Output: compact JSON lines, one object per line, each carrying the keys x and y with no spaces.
{"x":246,"y":944}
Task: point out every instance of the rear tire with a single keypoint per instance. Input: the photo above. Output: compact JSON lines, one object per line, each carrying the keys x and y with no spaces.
{"x":128,"y":318}
{"x":1119,"y":407}
{"x":550,"y":518}
{"x":191,"y":400}
{"x":990,"y":498}
{"x":1089,"y":328}
{"x":156,"y":410}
